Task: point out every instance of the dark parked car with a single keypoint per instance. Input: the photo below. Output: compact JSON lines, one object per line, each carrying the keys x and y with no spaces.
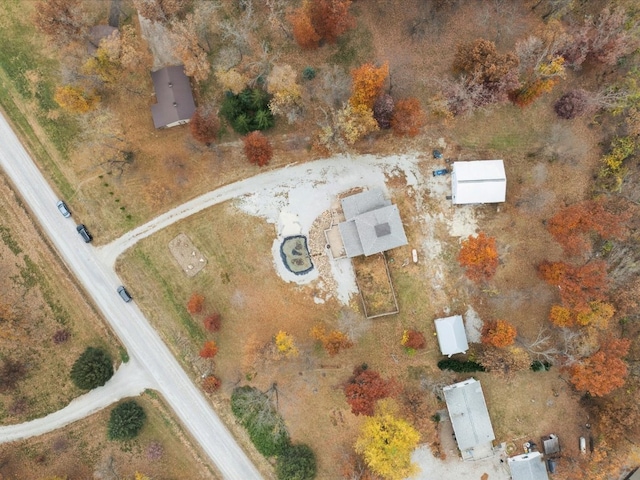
{"x":124,"y":294}
{"x":84,"y":233}
{"x":64,"y":210}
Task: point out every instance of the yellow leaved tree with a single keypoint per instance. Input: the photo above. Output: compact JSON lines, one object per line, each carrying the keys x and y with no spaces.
{"x":75,"y":99}
{"x":285,"y":345}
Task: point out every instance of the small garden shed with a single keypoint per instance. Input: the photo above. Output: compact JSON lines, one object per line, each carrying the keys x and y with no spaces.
{"x":470,"y":419}
{"x":528,"y":466}
{"x":451,"y":335}
{"x":478,"y":181}
{"x":175,"y":104}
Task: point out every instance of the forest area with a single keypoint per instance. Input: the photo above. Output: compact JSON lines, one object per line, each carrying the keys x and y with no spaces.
{"x":551,"y":86}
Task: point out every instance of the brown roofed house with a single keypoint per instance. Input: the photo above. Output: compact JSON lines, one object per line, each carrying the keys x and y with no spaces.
{"x":174,"y":96}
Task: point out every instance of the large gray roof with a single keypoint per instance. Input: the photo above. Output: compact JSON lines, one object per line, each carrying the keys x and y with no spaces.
{"x":529,"y":466}
{"x":373,"y":225}
{"x":174,"y":97}
{"x":469,"y":414}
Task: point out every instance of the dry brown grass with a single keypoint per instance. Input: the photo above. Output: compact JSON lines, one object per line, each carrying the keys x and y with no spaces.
{"x":81,"y":450}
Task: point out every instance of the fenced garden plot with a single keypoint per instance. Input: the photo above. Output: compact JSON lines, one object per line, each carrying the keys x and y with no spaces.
{"x":375,"y":286}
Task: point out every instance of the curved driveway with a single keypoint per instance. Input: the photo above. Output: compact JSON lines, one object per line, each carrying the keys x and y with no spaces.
{"x":141,"y":341}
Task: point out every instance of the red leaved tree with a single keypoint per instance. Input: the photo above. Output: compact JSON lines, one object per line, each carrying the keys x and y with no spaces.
{"x":498,"y":333}
{"x":195,"y":303}
{"x":257,"y":148}
{"x":364,"y":388}
{"x":413,"y":340}
{"x":209,"y":349}
{"x":479,"y":257}
{"x":572,"y":226}
{"x":604,"y":371}
{"x":407,"y":118}
{"x":204,"y":125}
{"x":213,"y":322}
{"x":368,"y":81}
{"x":210,"y":384}
{"x":331,"y":18}
{"x":577,"y":285}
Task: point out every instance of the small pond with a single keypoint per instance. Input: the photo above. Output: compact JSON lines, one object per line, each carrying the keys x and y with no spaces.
{"x":295,"y":255}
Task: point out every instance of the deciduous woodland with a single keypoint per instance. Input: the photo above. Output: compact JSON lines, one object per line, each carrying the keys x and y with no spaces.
{"x":549,"y":280}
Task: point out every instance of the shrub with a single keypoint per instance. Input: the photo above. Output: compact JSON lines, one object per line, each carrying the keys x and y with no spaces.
{"x":332,"y":342}
{"x":92,"y":369}
{"x":194,"y":305}
{"x":155,"y":450}
{"x":383,"y":111}
{"x":538,"y":366}
{"x":498,"y":333}
{"x":213,"y":322}
{"x":211,"y":383}
{"x":258,"y":416}
{"x":209,"y":349}
{"x":413,"y":340}
{"x":247,"y":111}
{"x":61,"y":336}
{"x":297,"y":462}
{"x":572,"y":104}
{"x":126,"y":421}
{"x":460,"y":366}
{"x":309,"y":73}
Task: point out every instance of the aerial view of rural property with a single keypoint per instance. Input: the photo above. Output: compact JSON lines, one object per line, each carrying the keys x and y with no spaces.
{"x":320,"y":239}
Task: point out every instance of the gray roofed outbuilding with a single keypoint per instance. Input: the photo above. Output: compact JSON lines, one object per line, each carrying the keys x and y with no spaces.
{"x":528,"y":466}
{"x":175,"y":104}
{"x":470,"y":419}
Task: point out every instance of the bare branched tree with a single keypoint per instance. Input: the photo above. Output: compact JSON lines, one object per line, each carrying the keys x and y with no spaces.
{"x":540,"y":347}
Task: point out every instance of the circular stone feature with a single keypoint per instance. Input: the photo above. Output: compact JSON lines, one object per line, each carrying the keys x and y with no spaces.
{"x":295,"y":255}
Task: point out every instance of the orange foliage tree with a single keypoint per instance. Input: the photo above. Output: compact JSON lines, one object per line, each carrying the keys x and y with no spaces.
{"x":209,"y":349}
{"x":210,"y":384}
{"x":368,"y":81}
{"x":364,"y":388}
{"x":577,"y":285}
{"x":498,"y":333}
{"x":75,"y":99}
{"x":332,"y":341}
{"x":304,"y":32}
{"x":413,"y":340}
{"x":257,"y":148}
{"x":604,"y":371}
{"x":572,"y":225}
{"x":479,"y":257}
{"x":407,"y":118}
{"x":527,"y":94}
{"x":195,"y":303}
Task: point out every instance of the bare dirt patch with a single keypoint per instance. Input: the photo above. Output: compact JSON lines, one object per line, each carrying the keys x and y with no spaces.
{"x":187,"y":255}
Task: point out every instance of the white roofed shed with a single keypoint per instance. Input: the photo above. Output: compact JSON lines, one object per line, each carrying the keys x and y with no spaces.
{"x":451,"y":335}
{"x":478,"y":181}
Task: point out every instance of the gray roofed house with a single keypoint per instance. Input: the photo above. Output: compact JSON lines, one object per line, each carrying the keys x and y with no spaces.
{"x":174,"y":96}
{"x":528,"y":466}
{"x":373,"y":224}
{"x":470,"y":419}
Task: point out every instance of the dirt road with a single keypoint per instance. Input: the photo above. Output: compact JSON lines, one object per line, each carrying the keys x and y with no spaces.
{"x":140,"y":339}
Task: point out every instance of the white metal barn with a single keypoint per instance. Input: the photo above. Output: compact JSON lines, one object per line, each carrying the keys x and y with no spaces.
{"x":451,"y":335}
{"x":478,"y":181}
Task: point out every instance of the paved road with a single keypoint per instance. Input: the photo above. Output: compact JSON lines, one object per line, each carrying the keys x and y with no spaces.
{"x":141,"y":341}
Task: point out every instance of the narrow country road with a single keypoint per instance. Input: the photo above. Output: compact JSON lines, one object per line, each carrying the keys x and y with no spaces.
{"x":139,"y":338}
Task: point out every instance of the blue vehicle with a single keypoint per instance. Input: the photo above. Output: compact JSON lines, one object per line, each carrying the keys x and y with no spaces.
{"x":437,"y":154}
{"x":442,"y":171}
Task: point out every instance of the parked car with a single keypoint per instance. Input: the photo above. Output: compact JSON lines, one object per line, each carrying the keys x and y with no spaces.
{"x":124,"y":294}
{"x":84,"y":233}
{"x":64,"y":210}
{"x":442,"y":171}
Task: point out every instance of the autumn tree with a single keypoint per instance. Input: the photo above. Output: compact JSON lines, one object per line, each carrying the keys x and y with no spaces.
{"x":160,"y":10}
{"x":577,"y":285}
{"x":190,"y":48}
{"x":562,"y":317}
{"x":345,"y":127}
{"x":231,"y":80}
{"x":613,"y":35}
{"x":596,"y":314}
{"x":304,"y":32}
{"x":210,"y":384}
{"x":285,"y":344}
{"x":286,"y":94}
{"x":383,"y":110}
{"x":504,"y":362}
{"x":209,"y":349}
{"x":413,"y":340}
{"x":257,"y":148}
{"x":75,"y":99}
{"x":204,"y":125}
{"x":333,"y":341}
{"x":574,"y":226}
{"x":364,"y":388}
{"x":213,"y":322}
{"x":572,"y":104}
{"x":195,"y":303}
{"x":331,"y":18}
{"x":386,"y":443}
{"x":60,"y":19}
{"x":498,"y":333}
{"x":604,"y":371}
{"x":408,"y":117}
{"x":479,"y":257}
{"x":480,"y":64}
{"x":368,"y":81}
